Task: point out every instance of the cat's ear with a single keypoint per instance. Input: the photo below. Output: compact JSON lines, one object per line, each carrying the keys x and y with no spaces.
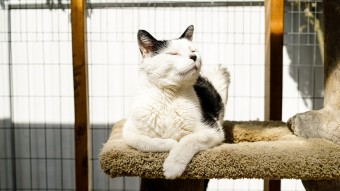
{"x":146,"y":42}
{"x":188,"y":33}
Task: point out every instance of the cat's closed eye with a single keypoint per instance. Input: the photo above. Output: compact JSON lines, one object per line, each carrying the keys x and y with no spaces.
{"x":173,"y":53}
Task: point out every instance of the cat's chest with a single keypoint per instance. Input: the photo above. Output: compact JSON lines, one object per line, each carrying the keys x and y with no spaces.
{"x":169,"y":119}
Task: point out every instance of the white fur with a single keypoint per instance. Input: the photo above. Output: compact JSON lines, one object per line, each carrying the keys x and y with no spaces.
{"x":166,"y":112}
{"x":220,"y":79}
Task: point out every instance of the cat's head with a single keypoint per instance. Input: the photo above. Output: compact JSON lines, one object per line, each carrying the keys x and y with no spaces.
{"x":169,"y":63}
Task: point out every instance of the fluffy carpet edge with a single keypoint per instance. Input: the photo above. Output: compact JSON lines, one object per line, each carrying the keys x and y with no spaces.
{"x":265,"y":150}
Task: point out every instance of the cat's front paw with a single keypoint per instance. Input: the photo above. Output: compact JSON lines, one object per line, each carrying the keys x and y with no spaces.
{"x":173,"y":168}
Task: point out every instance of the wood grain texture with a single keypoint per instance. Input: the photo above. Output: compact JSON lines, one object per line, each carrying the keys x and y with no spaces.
{"x":273,"y":59}
{"x":273,"y":69}
{"x":79,"y":55}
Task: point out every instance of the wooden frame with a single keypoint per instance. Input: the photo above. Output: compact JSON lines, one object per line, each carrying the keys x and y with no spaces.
{"x":273,"y":69}
{"x":80,"y":83}
{"x":273,"y":59}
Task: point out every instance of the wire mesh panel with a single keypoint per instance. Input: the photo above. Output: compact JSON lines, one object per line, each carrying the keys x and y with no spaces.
{"x":6,"y":163}
{"x":38,"y":129}
{"x":303,"y":67}
{"x":36,"y":90}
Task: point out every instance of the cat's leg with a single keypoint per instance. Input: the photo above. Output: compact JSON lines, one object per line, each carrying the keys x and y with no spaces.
{"x":145,"y":143}
{"x":180,"y":156}
{"x":149,"y":144}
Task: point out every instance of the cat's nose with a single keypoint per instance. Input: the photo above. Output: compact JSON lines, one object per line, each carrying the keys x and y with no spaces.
{"x":194,"y":57}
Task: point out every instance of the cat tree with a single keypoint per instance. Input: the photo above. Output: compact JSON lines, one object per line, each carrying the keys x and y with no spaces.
{"x":308,"y":148}
{"x":265,"y":150}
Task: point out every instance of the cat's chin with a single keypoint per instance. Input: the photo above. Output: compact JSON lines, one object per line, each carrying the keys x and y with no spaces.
{"x":191,"y":69}
{"x":189,"y":78}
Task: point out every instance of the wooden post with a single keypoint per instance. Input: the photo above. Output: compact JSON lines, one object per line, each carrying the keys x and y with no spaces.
{"x":273,"y":59}
{"x":79,"y":54}
{"x":171,"y":185}
{"x":273,"y":69}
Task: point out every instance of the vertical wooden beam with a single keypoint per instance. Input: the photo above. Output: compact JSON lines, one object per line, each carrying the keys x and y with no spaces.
{"x":79,"y":55}
{"x":273,"y":69}
{"x":273,"y":59}
{"x":272,"y":185}
{"x":171,"y":185}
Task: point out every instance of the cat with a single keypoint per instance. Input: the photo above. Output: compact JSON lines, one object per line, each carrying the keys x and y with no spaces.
{"x":176,"y":109}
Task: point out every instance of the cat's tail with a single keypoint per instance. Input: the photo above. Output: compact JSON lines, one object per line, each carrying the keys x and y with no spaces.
{"x":220,"y":79}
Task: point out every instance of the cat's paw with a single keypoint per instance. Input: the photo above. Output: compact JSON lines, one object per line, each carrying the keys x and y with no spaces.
{"x":173,"y":168}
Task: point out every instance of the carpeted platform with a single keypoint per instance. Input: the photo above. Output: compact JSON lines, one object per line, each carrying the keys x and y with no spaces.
{"x":266,"y":150}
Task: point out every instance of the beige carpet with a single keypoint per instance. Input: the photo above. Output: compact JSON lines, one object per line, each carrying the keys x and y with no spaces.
{"x":266,"y":150}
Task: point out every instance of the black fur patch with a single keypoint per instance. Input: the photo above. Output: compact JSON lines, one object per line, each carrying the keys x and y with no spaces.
{"x":210,"y":101}
{"x":159,"y":46}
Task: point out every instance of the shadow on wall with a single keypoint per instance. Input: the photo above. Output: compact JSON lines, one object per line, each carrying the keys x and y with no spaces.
{"x":2,"y":3}
{"x":35,"y":155}
{"x":304,"y":51}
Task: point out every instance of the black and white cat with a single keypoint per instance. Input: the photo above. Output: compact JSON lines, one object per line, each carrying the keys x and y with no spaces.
{"x":176,"y":108}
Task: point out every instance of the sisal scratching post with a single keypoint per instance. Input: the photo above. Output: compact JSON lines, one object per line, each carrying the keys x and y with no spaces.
{"x":325,"y":123}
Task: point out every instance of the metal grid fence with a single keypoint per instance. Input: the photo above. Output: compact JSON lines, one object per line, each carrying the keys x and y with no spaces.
{"x":36,"y":94}
{"x":37,"y":91}
{"x":303,"y":67}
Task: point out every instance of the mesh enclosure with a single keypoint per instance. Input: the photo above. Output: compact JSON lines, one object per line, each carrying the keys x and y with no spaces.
{"x":36,"y":85}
